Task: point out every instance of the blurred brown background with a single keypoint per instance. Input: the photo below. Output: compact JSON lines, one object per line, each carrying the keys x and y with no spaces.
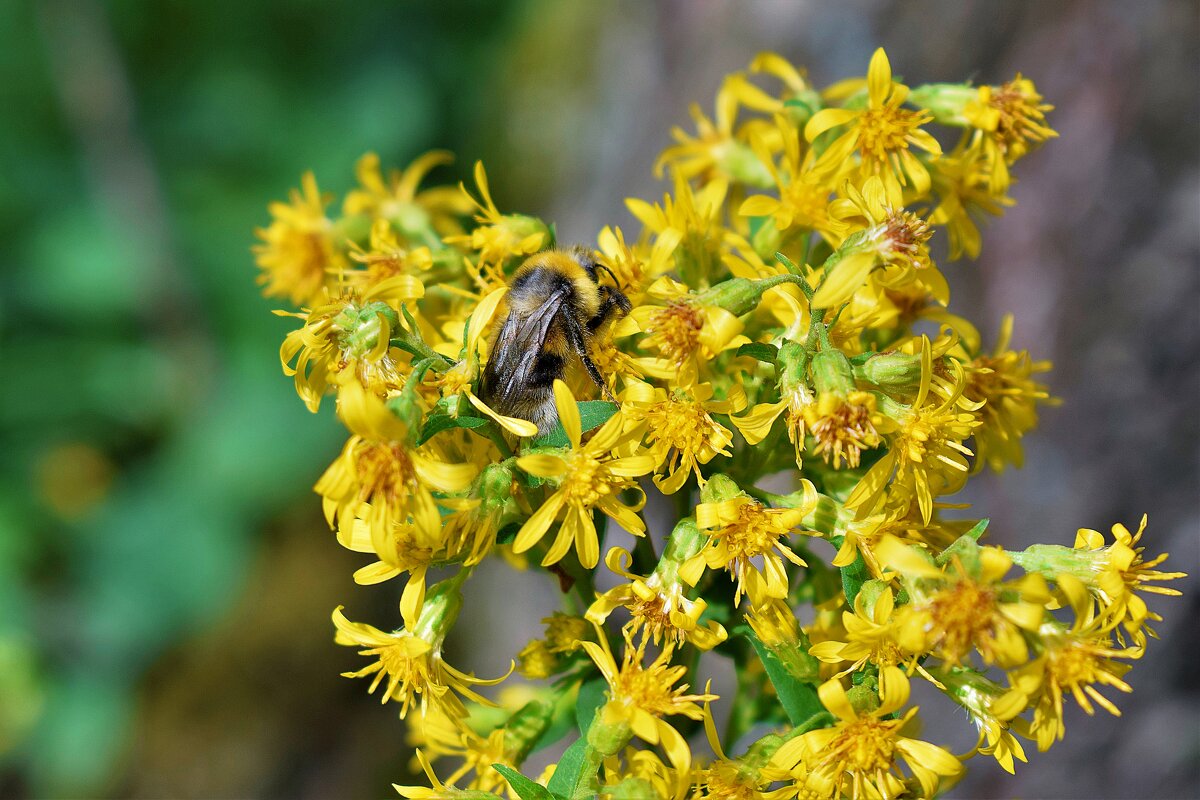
{"x":165,"y":574}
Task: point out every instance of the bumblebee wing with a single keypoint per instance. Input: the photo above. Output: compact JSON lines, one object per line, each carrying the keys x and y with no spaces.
{"x":517,"y":349}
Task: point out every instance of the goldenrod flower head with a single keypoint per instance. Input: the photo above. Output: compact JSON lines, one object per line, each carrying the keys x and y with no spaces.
{"x":875,"y":634}
{"x":926,"y":453}
{"x":743,"y":533}
{"x":633,"y":269}
{"x":411,"y":663}
{"x":643,"y":776}
{"x":386,"y":258}
{"x":1002,"y":382}
{"x":859,"y":757}
{"x":970,"y":607}
{"x":379,"y":467}
{"x":979,"y":697}
{"x":1010,"y":119}
{"x":1117,"y":572}
{"x":658,"y":605}
{"x":680,"y":430}
{"x":639,"y":696}
{"x":349,"y":335}
{"x":499,"y":236}
{"x":962,"y":182}
{"x":882,"y":133}
{"x":842,"y":427}
{"x":299,"y":252}
{"x":399,"y":200}
{"x":587,"y":476}
{"x":683,"y":331}
{"x":698,"y":215}
{"x":1077,"y":660}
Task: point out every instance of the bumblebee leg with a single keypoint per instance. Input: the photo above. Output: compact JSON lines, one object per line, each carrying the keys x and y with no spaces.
{"x":579,"y":345}
{"x":610,"y":301}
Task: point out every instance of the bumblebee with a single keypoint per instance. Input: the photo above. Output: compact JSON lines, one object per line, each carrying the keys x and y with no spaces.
{"x":556,"y":306}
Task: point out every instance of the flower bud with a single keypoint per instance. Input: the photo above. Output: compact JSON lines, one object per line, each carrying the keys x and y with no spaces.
{"x":832,"y":373}
{"x":892,"y":372}
{"x":946,"y":101}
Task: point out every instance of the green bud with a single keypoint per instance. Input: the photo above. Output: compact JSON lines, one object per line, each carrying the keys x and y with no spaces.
{"x":870,"y":592}
{"x":767,"y":239}
{"x":609,"y":731}
{"x":740,"y":296}
{"x":442,"y":603}
{"x":718,"y":488}
{"x":684,"y":542}
{"x":361,"y":326}
{"x":945,"y":101}
{"x":630,"y":789}
{"x":495,"y":484}
{"x":743,"y":166}
{"x":894,"y":372}
{"x":1052,"y":560}
{"x":525,"y":727}
{"x":863,"y":699}
{"x":832,"y":372}
{"x":791,"y":361}
{"x":523,"y":225}
{"x":803,"y":105}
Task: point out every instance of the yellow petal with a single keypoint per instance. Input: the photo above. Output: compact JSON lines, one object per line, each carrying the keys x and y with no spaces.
{"x":543,"y":465}
{"x":847,"y":277}
{"x":517,"y":427}
{"x":536,"y":526}
{"x":826,"y":119}
{"x":879,"y":78}
{"x":568,"y":413}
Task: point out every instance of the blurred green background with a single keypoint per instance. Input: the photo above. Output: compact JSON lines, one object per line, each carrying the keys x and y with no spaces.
{"x":165,"y":577}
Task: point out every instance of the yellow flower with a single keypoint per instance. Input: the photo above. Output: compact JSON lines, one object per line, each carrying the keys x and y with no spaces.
{"x":386,"y":258}
{"x":658,"y":605}
{"x":961,"y":182}
{"x":410,"y":662}
{"x":499,"y":237}
{"x":979,"y":696}
{"x":699,"y":217}
{"x":843,"y":427}
{"x":398,"y":200}
{"x":963,"y":609}
{"x":744,"y":778}
{"x":382,"y":480}
{"x":543,"y":657}
{"x":718,"y":149}
{"x":680,"y":430}
{"x":1002,"y":382}
{"x":587,"y":477}
{"x":743,"y":533}
{"x":684,"y":331}
{"x":882,"y":133}
{"x":639,"y":696}
{"x":1009,"y":119}
{"x":802,"y":194}
{"x":859,"y":757}
{"x":299,"y":250}
{"x":632,"y":268}
{"x":1077,"y":660}
{"x":349,"y":334}
{"x":1114,"y":574}
{"x":878,"y":634}
{"x":926,"y":454}
{"x":642,"y":775}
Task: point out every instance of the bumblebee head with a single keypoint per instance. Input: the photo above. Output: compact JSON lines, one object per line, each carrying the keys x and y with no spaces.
{"x":584,"y":257}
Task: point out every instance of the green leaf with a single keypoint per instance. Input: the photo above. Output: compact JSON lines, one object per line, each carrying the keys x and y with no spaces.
{"x":592,"y":414}
{"x":799,"y":699}
{"x":525,"y":788}
{"x":437,"y":423}
{"x":567,"y":772}
{"x":591,"y":697}
{"x":760,"y":351}
{"x":853,"y":577}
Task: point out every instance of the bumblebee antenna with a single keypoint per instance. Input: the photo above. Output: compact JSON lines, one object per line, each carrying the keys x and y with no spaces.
{"x":616,"y":283}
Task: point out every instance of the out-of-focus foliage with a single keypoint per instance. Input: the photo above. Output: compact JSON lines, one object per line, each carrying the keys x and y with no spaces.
{"x":145,"y":438}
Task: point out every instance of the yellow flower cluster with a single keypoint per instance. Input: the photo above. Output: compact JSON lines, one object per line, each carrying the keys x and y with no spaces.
{"x":779,"y":311}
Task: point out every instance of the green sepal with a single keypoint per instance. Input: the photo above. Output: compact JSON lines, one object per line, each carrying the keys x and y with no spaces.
{"x":592,"y":414}
{"x":759,"y":351}
{"x":525,"y":788}
{"x":799,"y":699}
{"x":437,"y":423}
